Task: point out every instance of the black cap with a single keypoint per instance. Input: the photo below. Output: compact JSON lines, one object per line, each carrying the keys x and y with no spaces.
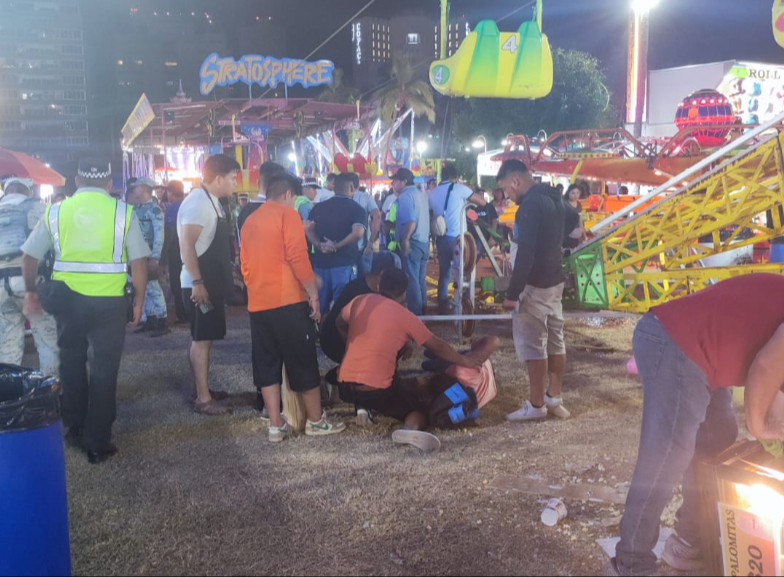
{"x":95,"y":169}
{"x":405,"y":175}
{"x":385,"y":260}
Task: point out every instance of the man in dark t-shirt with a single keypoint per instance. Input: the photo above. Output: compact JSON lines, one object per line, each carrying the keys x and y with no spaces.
{"x":689,"y":352}
{"x":332,"y":342}
{"x":335,"y":229}
{"x":267,"y":171}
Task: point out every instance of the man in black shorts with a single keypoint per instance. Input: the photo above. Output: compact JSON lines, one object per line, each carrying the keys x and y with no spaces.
{"x":205,"y":246}
{"x":284,"y":307}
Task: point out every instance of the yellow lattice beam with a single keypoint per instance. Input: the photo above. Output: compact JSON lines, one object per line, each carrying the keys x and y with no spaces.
{"x":639,"y":292}
{"x":732,"y":196}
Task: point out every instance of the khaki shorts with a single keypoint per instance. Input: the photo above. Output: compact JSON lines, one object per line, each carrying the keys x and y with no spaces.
{"x":538,"y":324}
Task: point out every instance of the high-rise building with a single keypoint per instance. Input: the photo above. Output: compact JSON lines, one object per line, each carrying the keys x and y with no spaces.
{"x":154,"y":50}
{"x":374,"y":41}
{"x":43,"y":92}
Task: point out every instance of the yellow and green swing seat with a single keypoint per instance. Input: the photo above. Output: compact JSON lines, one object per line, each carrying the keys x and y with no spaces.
{"x":495,"y":64}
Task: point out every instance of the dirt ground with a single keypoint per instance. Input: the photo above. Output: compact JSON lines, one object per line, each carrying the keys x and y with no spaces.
{"x":199,"y":495}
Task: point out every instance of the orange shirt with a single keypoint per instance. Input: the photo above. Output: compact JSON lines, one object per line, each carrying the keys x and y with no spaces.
{"x":378,"y":328}
{"x":274,"y":255}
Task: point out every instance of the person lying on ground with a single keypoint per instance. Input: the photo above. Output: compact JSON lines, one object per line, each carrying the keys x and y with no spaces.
{"x":689,"y":353}
{"x":482,"y":380}
{"x":332,"y":342}
{"x":377,"y":327}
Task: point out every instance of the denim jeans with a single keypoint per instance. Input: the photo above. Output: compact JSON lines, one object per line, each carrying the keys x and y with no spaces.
{"x":682,"y":418}
{"x":415,"y":266}
{"x":334,"y":281}
{"x":445,"y":245}
{"x":365,"y":263}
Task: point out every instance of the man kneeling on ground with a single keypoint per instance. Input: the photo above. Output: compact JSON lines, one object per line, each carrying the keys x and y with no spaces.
{"x":332,"y":342}
{"x":377,"y":327}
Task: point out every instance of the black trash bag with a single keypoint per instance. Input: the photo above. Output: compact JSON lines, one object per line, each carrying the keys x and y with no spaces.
{"x":28,"y":399}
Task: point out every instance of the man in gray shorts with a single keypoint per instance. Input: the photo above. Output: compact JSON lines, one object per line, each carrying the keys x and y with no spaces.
{"x":536,"y":290}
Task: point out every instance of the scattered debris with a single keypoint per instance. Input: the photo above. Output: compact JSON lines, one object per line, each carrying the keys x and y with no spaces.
{"x":609,"y":544}
{"x":581,"y":492}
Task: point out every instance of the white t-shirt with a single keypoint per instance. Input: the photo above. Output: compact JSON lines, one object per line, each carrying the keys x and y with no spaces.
{"x":388,"y":202}
{"x":322,"y":194}
{"x":197,"y":209}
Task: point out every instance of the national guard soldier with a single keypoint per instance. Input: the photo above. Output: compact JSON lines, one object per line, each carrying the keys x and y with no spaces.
{"x":151,"y":219}
{"x":94,"y":238}
{"x":19,"y":213}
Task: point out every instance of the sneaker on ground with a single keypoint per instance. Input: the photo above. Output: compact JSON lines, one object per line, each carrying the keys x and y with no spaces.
{"x":423,"y":441}
{"x":278,"y":434}
{"x":364,"y":418}
{"x":323,"y":428}
{"x":555,"y":407}
{"x":264,"y":415}
{"x":528,"y":413}
{"x":612,"y":570}
{"x":682,"y":556}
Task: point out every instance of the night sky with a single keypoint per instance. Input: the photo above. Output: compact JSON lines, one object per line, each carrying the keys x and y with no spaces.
{"x":683,"y":32}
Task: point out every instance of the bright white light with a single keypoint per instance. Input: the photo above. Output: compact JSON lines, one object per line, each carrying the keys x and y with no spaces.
{"x":46,"y":190}
{"x":644,"y":6}
{"x":504,"y":142}
{"x":761,"y":500}
{"x":421,"y":147}
{"x":467,"y":149}
{"x":478,"y":144}
{"x":292,"y":157}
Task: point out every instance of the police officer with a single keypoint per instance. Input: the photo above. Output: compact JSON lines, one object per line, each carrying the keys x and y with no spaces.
{"x":94,"y":237}
{"x":151,"y":219}
{"x":19,"y":213}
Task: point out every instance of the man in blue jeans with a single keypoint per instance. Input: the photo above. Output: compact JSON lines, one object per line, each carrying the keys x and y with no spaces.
{"x":334,"y":229}
{"x":448,"y":200}
{"x":689,"y":352}
{"x":412,"y":230}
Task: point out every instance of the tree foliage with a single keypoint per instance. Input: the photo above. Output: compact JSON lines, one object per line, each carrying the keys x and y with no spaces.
{"x":339,"y":92}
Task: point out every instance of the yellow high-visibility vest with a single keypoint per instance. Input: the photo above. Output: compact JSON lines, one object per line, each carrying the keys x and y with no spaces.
{"x":88,"y":232}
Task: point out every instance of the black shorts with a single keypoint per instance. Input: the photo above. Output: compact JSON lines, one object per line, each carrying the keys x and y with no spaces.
{"x":285,"y":336}
{"x":205,"y":327}
{"x":398,"y":401}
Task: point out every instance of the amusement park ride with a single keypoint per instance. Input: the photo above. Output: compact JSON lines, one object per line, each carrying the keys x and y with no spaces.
{"x":714,"y":181}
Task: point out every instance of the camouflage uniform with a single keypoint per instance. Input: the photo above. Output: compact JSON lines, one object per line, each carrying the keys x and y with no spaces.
{"x":12,"y":289}
{"x":151,"y":220}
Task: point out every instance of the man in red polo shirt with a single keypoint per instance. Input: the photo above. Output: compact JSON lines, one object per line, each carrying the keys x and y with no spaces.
{"x":689,"y":352}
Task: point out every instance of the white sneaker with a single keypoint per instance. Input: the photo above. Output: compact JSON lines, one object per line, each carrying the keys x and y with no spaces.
{"x":528,"y":413}
{"x":278,"y":434}
{"x":423,"y":441}
{"x":555,"y":407}
{"x":264,"y":415}
{"x":682,"y":556}
{"x":364,"y":418}
{"x":323,"y":427}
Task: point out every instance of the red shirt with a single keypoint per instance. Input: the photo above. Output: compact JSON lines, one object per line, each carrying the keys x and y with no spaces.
{"x":723,"y":327}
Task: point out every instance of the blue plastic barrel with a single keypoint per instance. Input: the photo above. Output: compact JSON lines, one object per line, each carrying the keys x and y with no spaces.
{"x":33,"y":500}
{"x":776,"y":252}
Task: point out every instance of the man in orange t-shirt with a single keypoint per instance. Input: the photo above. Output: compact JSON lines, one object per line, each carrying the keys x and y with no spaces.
{"x":377,"y":327}
{"x":284,"y":307}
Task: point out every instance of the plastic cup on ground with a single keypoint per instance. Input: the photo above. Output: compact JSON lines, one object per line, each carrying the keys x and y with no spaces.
{"x":554,"y":513}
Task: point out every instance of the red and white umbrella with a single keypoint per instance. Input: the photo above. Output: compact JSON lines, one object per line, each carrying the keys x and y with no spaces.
{"x":23,"y":166}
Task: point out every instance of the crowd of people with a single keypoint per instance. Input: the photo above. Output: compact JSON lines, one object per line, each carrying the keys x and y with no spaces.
{"x":80,"y":269}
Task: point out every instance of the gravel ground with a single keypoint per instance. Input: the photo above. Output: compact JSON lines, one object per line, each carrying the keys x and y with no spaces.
{"x":197,"y":495}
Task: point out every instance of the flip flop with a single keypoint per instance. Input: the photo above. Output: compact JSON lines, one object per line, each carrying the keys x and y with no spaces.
{"x":425,"y":442}
{"x":211,"y":408}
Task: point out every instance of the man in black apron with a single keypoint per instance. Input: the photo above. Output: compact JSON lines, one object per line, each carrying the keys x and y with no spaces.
{"x":205,"y":244}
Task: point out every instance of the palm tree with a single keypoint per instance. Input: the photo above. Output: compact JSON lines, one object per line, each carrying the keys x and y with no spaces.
{"x":404,"y":91}
{"x":339,"y":92}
